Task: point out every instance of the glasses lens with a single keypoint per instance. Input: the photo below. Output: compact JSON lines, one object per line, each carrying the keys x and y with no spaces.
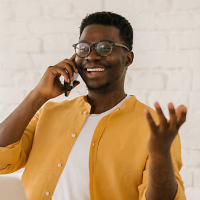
{"x":82,"y":49}
{"x":104,"y":48}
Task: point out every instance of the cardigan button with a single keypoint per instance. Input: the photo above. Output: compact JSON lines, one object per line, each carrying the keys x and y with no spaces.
{"x":59,"y":165}
{"x":73,"y":135}
{"x":84,"y":112}
{"x":47,"y":193}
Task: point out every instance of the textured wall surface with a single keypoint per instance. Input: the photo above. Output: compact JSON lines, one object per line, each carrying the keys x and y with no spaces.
{"x":36,"y":34}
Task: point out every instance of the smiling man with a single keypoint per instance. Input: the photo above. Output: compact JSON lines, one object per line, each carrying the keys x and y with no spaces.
{"x":105,"y":145}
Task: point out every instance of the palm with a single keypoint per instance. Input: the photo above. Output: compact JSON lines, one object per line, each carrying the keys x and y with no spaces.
{"x":162,"y":135}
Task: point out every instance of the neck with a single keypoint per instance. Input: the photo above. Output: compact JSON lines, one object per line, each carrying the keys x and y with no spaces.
{"x":101,"y":101}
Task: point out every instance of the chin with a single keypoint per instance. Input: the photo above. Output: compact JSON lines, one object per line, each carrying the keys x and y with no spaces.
{"x":98,"y":88}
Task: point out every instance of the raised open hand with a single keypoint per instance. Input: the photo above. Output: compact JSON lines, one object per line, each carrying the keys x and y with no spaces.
{"x":162,"y":135}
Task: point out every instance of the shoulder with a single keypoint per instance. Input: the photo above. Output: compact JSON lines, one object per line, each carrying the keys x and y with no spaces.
{"x":136,"y":107}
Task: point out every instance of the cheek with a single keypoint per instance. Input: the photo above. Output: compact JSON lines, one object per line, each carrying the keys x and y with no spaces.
{"x":78,"y":61}
{"x":117,"y":61}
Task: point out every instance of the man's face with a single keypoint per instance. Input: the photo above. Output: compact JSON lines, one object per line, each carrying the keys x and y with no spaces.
{"x":106,"y":71}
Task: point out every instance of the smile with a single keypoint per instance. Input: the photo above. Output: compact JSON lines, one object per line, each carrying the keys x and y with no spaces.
{"x":95,"y":69}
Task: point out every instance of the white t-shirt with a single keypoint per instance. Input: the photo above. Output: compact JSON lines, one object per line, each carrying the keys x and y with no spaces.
{"x":74,"y":180}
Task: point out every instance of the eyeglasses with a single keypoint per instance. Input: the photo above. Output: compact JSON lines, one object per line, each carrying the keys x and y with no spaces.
{"x":103,"y":48}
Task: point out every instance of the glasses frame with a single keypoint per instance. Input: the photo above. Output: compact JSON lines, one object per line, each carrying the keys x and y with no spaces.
{"x":95,"y":45}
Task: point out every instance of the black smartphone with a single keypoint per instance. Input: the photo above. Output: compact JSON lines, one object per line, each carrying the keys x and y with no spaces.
{"x":68,"y":86}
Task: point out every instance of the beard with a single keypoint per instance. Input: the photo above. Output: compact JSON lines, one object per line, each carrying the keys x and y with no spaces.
{"x":98,"y":88}
{"x":103,"y":86}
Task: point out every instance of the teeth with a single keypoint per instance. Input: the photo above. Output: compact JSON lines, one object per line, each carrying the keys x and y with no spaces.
{"x":95,"y":70}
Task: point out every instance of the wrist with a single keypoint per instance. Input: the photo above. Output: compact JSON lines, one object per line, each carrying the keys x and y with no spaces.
{"x":160,"y":155}
{"x":37,"y":99}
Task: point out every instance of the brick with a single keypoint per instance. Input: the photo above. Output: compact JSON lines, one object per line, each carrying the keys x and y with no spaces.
{"x":190,"y":139}
{"x":5,"y":44}
{"x":196,"y":80}
{"x":142,"y":21}
{"x":82,"y":8}
{"x":150,"y":41}
{"x":44,"y":60}
{"x":26,"y":79}
{"x":190,"y":158}
{"x":57,"y":43}
{"x":194,"y":56}
{"x":27,"y":10}
{"x":192,"y":193}
{"x":44,"y":27}
{"x":180,"y":21}
{"x":5,"y":11}
{"x":146,"y":80}
{"x":153,"y":6}
{"x":59,"y":9}
{"x":194,"y":101}
{"x":191,"y":128}
{"x":15,"y":61}
{"x":13,"y":27}
{"x":197,"y":178}
{"x":161,"y":59}
{"x":185,"y":40}
{"x":6,"y":77}
{"x":184,"y":5}
{"x":27,"y":45}
{"x":187,"y":176}
{"x":20,"y":44}
{"x":180,"y":80}
{"x":196,"y":18}
{"x":11,"y":95}
{"x":118,"y":6}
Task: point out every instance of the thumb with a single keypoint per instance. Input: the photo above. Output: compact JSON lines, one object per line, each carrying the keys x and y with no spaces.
{"x":73,"y":57}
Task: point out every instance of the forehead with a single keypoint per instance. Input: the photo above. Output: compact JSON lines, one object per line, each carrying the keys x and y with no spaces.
{"x":95,"y":33}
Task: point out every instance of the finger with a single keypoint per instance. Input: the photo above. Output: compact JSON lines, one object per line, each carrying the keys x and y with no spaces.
{"x":72,"y":59}
{"x":150,"y":121}
{"x":69,"y":69}
{"x":162,"y":119}
{"x":179,"y":109}
{"x":173,"y":117}
{"x":182,"y":117}
{"x":56,"y":71}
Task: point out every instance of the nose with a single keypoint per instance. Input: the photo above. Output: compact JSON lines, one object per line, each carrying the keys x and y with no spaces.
{"x":93,"y":55}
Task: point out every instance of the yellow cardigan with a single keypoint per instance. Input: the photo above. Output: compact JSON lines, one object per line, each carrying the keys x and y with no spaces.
{"x":118,"y":159}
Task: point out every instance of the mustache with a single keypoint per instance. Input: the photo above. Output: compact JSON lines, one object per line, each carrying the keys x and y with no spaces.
{"x":94,"y":63}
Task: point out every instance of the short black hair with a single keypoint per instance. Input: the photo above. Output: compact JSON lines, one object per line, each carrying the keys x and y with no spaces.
{"x":111,"y":19}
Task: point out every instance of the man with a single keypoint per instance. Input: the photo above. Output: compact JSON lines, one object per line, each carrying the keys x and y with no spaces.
{"x":103,"y":146}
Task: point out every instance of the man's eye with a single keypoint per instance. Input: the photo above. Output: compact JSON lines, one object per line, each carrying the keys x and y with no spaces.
{"x":83,"y":48}
{"x":104,"y":47}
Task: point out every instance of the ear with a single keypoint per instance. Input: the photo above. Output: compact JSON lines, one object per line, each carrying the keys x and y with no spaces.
{"x":129,"y":58}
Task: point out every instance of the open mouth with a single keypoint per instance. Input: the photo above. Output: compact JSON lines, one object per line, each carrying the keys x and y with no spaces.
{"x":95,"y":70}
{"x":92,"y":70}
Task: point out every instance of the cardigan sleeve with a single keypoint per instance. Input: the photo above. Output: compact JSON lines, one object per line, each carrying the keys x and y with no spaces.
{"x":177,"y":164}
{"x":14,"y":156}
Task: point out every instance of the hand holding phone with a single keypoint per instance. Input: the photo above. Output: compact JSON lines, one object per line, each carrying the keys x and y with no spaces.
{"x":68,"y":86}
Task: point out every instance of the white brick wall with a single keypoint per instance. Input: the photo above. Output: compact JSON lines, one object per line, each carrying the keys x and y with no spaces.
{"x":34,"y":35}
